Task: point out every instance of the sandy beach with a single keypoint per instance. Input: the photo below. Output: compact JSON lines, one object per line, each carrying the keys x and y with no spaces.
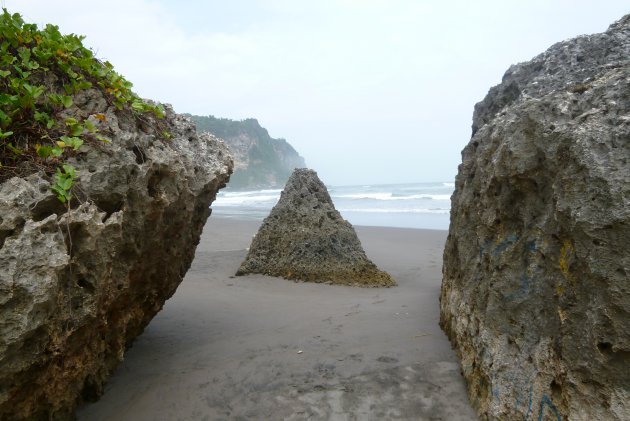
{"x":262,"y":348}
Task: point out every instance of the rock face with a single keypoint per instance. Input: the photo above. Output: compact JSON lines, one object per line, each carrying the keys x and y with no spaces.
{"x":260,"y":161}
{"x":536,"y":277}
{"x":305,"y":238}
{"x":76,"y":286}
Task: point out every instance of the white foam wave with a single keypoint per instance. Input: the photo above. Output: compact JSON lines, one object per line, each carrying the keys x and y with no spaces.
{"x":391,"y":196}
{"x":376,"y":196}
{"x":246,"y":200}
{"x":394,"y":210}
{"x":253,"y":193}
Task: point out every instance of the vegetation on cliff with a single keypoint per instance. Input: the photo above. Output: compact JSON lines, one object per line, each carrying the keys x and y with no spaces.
{"x":260,"y":160}
{"x":41,"y":73}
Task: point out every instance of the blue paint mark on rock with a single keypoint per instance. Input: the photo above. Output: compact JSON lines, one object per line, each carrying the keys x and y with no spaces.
{"x":503,"y":245}
{"x":530,"y":401}
{"x":522,"y":291}
{"x":495,"y":392}
{"x":546,"y":402}
{"x":532,"y":246}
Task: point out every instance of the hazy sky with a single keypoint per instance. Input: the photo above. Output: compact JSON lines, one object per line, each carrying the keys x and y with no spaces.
{"x":368,"y":91}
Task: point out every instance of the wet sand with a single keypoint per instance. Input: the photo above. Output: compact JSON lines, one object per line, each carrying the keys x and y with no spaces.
{"x":262,"y":348}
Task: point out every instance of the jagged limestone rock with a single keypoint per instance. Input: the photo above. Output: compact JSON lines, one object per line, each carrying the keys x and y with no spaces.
{"x":305,"y":238}
{"x":77,"y":286}
{"x":536,"y":277}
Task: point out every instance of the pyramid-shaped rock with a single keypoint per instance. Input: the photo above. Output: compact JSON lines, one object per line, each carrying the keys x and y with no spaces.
{"x":305,"y":238}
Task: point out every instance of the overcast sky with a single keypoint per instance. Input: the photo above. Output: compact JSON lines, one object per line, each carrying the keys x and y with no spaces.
{"x":367,"y":91}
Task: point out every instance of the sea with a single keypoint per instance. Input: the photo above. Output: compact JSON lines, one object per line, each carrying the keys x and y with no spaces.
{"x":407,"y":205}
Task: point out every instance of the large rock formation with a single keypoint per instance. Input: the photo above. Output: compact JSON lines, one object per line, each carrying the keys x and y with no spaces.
{"x":305,"y":238}
{"x":536,"y":288}
{"x":260,"y":161}
{"x":76,"y":286}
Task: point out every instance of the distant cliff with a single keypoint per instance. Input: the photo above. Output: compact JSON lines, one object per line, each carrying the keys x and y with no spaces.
{"x":259,"y":160}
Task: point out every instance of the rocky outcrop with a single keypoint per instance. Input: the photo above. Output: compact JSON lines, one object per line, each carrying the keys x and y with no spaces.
{"x":305,"y":238}
{"x":77,"y":285}
{"x":260,"y":161}
{"x":536,"y":277}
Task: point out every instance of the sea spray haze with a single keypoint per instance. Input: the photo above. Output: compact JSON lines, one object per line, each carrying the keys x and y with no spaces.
{"x":408,"y":205}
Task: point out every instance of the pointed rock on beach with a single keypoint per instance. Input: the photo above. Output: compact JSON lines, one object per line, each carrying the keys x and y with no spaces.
{"x":305,"y":238}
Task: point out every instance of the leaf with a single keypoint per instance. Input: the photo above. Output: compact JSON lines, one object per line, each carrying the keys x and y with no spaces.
{"x":66,"y":101}
{"x":42,"y":117}
{"x":159,"y":111}
{"x":84,"y":85}
{"x":137,"y":105}
{"x":4,"y":135}
{"x":5,"y":73}
{"x":72,"y":142}
{"x":69,"y":169}
{"x":62,"y":195}
{"x":25,"y":55}
{"x":89,"y":126}
{"x":63,"y":182}
{"x":43,"y":151}
{"x":5,"y":120}
{"x":12,"y":148}
{"x":76,"y":130}
{"x":6,"y":99}
{"x":56,"y":151}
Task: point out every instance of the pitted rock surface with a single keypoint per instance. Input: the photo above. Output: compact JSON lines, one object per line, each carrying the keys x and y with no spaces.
{"x":536,"y":277}
{"x":305,"y":238}
{"x":77,"y":286}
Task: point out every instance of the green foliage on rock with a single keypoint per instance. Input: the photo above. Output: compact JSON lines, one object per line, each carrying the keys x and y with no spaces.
{"x":41,"y":71}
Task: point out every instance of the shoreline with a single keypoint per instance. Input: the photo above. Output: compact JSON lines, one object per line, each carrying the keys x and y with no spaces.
{"x":257,"y":347}
{"x":259,"y":220}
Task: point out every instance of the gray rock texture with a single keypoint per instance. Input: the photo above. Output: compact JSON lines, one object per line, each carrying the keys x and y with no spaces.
{"x":536,"y":277}
{"x":77,"y":285}
{"x":305,"y":238}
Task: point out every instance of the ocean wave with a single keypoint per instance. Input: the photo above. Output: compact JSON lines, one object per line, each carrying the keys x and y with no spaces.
{"x":364,"y":196}
{"x":246,"y":200}
{"x":252,"y":193}
{"x":448,"y":184}
{"x":396,"y":210}
{"x":391,"y":196}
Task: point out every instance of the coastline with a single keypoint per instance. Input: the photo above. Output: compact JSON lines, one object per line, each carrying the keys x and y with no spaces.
{"x":229,"y":347}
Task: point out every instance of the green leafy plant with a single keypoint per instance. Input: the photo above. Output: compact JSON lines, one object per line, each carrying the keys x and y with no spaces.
{"x":63,"y":182}
{"x":41,"y":71}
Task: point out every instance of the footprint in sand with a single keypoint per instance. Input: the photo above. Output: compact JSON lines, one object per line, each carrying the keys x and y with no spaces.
{"x":386,"y":359}
{"x":356,"y":310}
